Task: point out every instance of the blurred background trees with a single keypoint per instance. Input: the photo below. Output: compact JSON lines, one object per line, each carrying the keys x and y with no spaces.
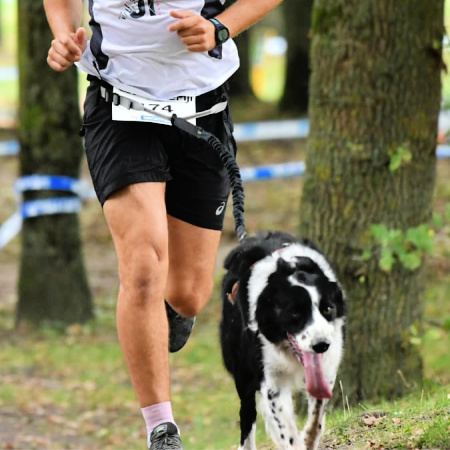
{"x":53,"y":286}
{"x":297,"y":21}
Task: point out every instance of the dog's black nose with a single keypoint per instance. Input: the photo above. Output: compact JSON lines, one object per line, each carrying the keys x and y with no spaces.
{"x":321,"y":347}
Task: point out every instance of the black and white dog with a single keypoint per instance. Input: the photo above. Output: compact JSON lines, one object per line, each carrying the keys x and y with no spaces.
{"x":282,"y":330}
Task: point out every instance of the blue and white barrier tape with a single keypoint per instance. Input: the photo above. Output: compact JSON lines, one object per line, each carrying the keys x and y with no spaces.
{"x":83,"y":190}
{"x":8,"y":74}
{"x":292,"y":169}
{"x":9,"y":148}
{"x":10,"y":229}
{"x":48,"y":206}
{"x":54,"y":183}
{"x":443,"y":151}
{"x":46,"y":182}
{"x":34,"y":208}
{"x":276,"y":129}
{"x":243,"y":132}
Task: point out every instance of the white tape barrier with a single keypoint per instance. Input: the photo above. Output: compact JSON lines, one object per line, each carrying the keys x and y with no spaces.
{"x":43,"y":207}
{"x":292,"y":169}
{"x":10,"y":229}
{"x":50,"y":206}
{"x":83,"y":189}
{"x":271,"y":130}
{"x":260,"y":131}
{"x":9,"y":148}
{"x":8,"y":74}
{"x":443,"y":151}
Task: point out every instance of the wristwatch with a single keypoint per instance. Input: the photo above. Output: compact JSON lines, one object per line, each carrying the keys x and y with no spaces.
{"x":222,"y":34}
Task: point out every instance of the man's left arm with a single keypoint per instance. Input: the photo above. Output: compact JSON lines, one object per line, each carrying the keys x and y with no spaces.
{"x":198,"y":33}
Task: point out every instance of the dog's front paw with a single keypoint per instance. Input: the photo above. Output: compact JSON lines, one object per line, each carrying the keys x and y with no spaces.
{"x":309,"y":440}
{"x":300,"y":443}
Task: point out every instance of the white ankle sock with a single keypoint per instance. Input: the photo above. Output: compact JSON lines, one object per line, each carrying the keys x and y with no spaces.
{"x":155,"y":415}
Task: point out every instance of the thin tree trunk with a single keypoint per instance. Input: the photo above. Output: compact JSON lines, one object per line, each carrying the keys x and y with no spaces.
{"x":297,"y":19}
{"x":240,"y":85}
{"x":375,"y":91}
{"x":52,"y":282}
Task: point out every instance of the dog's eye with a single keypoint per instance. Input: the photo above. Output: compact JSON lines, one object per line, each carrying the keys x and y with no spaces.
{"x":327,"y":310}
{"x":295,"y":315}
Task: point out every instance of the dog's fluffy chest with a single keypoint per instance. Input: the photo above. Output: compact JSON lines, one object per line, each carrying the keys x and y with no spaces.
{"x":281,"y":367}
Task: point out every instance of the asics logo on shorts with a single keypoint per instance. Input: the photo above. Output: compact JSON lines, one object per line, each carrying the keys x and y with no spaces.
{"x":220,"y":209}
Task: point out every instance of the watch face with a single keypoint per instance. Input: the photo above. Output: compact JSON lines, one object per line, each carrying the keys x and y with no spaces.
{"x":223,"y":35}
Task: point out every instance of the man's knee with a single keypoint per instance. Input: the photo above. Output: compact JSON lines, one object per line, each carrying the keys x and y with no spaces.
{"x":143,"y":278}
{"x":190,"y":302}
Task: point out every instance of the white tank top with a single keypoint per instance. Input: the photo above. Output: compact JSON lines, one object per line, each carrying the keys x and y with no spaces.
{"x":132,"y":49}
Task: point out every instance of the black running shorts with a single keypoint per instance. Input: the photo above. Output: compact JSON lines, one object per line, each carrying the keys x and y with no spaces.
{"x":123,"y":153}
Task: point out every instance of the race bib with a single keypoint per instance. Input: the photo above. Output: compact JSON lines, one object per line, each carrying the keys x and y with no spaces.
{"x":153,"y":110}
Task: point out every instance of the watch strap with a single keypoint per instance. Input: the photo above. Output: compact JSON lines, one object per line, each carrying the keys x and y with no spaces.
{"x":219,"y":28}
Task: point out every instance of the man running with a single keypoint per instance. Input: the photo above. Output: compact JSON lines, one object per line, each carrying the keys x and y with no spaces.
{"x":163,"y":194}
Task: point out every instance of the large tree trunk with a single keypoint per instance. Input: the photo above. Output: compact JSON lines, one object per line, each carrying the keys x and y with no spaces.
{"x":297,"y":19}
{"x":375,"y":92}
{"x":52,"y":282}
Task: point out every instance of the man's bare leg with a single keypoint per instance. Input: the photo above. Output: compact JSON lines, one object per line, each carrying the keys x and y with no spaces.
{"x":192,"y":258}
{"x":137,"y":219}
{"x":144,"y":237}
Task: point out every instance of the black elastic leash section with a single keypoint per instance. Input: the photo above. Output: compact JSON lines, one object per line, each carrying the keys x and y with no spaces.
{"x":230,"y":164}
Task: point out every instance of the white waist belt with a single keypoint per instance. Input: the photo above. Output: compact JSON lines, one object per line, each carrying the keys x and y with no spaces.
{"x":129,"y":101}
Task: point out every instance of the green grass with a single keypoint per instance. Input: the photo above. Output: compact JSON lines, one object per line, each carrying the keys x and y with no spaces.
{"x":420,"y":420}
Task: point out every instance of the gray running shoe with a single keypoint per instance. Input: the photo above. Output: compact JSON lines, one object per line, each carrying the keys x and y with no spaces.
{"x":165,"y":437}
{"x":180,"y":329}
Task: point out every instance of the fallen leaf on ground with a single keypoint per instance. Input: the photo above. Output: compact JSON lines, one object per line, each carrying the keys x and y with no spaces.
{"x":372,"y":421}
{"x":55,"y":419}
{"x":375,"y":413}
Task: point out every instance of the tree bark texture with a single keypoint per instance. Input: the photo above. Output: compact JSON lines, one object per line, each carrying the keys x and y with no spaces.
{"x":375,"y":88}
{"x":52,"y":282}
{"x":297,"y":19}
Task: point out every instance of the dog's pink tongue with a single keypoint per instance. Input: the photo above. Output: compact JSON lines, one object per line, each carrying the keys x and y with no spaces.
{"x":316,"y":384}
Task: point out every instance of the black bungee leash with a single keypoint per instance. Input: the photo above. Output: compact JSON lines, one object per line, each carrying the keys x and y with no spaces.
{"x":230,"y":164}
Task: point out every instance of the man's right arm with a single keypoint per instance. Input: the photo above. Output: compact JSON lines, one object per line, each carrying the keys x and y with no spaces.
{"x":64,"y":18}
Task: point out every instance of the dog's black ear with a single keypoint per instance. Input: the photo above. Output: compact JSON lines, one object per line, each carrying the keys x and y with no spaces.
{"x":285,"y":267}
{"x":228,"y":281}
{"x":231,"y":257}
{"x":238,"y":253}
{"x":244,"y":256}
{"x":254,"y":255}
